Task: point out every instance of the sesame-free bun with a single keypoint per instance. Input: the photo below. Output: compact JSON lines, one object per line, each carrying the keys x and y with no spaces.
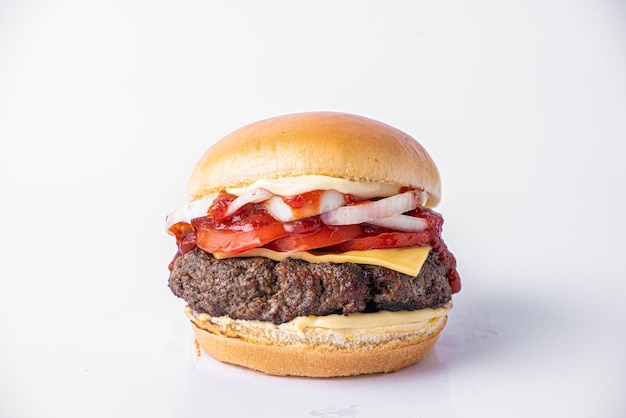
{"x":329,"y":144}
{"x":271,"y":350}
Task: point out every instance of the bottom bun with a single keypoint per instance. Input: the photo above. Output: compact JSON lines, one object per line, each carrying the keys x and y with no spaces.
{"x":269,"y":349}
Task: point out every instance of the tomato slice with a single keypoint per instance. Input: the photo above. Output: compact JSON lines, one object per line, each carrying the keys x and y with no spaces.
{"x":250,"y":229}
{"x":307,"y":237}
{"x":232,"y":242}
{"x":383,"y":240}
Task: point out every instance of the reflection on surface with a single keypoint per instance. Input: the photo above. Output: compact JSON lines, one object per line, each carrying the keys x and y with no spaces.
{"x":333,"y":411}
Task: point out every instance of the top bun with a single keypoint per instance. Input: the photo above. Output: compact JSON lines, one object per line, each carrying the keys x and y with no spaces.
{"x":329,"y":144}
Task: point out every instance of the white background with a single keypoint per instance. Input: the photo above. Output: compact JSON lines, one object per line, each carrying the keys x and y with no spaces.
{"x":106,"y":106}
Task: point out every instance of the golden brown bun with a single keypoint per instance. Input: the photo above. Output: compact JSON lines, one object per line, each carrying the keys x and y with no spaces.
{"x":323,"y":143}
{"x":283,"y":355}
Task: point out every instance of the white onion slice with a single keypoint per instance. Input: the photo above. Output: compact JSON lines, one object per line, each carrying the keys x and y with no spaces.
{"x":257,"y":195}
{"x":191,"y":210}
{"x":367,"y":212}
{"x":329,"y":200}
{"x":199,"y":208}
{"x":278,"y":209}
{"x":403,"y":223}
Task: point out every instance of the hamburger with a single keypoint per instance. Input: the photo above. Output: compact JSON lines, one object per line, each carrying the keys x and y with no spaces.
{"x":309,"y":247}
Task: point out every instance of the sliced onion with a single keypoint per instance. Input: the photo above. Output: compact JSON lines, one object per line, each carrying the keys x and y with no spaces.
{"x":367,"y":212}
{"x":257,"y":195}
{"x":329,"y":200}
{"x":403,"y":223}
{"x":199,"y":208}
{"x":191,"y":210}
{"x":279,"y":209}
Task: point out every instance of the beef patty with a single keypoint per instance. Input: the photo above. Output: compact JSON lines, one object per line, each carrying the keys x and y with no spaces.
{"x":257,"y":288}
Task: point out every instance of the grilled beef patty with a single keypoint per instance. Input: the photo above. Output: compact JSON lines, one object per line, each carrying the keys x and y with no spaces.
{"x":257,"y":288}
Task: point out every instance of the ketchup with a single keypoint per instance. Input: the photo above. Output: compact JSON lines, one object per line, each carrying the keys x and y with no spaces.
{"x":305,"y":199}
{"x":185,"y":239}
{"x":219,"y":207}
{"x":304,"y":205}
{"x":435,"y":224}
{"x":449,"y":261}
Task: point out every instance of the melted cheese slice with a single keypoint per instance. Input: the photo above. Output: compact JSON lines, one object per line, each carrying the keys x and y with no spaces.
{"x":404,"y":260}
{"x":421,"y":317}
{"x":286,"y":186}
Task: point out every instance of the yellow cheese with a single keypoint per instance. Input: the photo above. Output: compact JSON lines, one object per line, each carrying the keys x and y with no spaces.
{"x":370,"y":320}
{"x":405,"y":260}
{"x":286,"y":186}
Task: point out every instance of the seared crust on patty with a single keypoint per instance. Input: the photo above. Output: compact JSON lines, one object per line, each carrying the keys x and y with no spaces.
{"x":257,"y":288}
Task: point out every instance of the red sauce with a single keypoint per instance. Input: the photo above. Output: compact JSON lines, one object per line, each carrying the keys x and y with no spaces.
{"x":449,"y":261}
{"x":435,"y":224}
{"x":220,"y":205}
{"x":185,"y":239}
{"x":305,"y":199}
{"x":304,"y":205}
{"x":250,"y":216}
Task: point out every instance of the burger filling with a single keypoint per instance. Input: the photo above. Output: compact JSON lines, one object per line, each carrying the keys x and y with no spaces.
{"x":214,"y":272}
